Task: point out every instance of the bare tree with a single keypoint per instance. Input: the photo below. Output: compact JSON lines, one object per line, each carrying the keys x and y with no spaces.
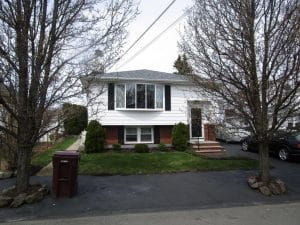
{"x":45,"y":47}
{"x":248,"y":53}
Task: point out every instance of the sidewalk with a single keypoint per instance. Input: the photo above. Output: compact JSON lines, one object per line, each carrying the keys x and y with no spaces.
{"x":260,"y":214}
{"x":47,"y":170}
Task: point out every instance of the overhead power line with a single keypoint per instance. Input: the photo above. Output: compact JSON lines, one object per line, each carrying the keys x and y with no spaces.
{"x":139,"y":38}
{"x":153,"y":40}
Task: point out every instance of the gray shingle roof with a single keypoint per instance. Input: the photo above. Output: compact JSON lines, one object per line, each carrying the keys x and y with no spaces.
{"x":143,"y":75}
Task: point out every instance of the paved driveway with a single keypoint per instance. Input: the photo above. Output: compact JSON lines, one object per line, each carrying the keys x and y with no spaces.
{"x":280,"y":167}
{"x":154,"y":193}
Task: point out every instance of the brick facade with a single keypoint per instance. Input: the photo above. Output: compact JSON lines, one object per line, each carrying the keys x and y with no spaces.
{"x":209,"y":132}
{"x":111,"y":135}
{"x":166,"y":134}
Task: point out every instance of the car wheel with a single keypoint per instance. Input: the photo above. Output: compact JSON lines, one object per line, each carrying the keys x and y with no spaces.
{"x":245,"y":146}
{"x":283,"y":154}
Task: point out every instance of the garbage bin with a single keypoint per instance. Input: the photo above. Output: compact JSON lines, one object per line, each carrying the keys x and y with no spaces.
{"x":65,"y":170}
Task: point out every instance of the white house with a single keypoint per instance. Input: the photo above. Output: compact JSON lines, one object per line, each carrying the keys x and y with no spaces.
{"x":142,"y":106}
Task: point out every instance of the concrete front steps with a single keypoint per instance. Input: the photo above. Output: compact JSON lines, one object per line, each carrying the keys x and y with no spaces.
{"x":208,"y":148}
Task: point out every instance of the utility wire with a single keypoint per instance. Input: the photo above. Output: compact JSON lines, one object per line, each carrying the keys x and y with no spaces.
{"x":139,"y":38}
{"x":153,"y":40}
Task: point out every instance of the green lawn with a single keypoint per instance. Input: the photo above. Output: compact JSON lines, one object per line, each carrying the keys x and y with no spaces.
{"x":112,"y":163}
{"x":44,"y":158}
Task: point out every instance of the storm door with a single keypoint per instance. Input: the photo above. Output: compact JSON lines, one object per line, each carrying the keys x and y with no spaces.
{"x":196,"y":122}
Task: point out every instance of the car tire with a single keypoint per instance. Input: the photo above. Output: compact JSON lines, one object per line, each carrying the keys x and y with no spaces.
{"x":283,"y":154}
{"x":245,"y":146}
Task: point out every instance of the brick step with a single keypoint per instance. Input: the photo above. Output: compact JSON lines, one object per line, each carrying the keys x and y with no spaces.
{"x":206,"y":146}
{"x":210,"y":148}
{"x":210,"y":151}
{"x":206,"y":143}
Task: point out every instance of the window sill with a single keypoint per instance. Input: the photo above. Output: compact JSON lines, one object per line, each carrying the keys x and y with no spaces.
{"x":141,"y":110}
{"x":140,"y":142}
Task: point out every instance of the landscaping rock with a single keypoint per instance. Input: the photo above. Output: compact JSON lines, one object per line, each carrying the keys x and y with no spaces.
{"x":8,"y":190}
{"x":254,"y":185}
{"x":5,"y":174}
{"x":44,"y":190}
{"x":265,"y":190}
{"x":5,"y":201}
{"x":34,"y":197}
{"x":18,"y":201}
{"x":260,"y":184}
{"x":251,"y":181}
{"x":281,"y":184}
{"x":35,"y":193}
{"x":275,"y":188}
{"x":39,"y":192}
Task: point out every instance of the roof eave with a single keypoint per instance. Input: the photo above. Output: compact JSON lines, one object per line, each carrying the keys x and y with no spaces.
{"x":104,"y":80}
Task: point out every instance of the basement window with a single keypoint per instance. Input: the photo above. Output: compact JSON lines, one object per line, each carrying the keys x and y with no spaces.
{"x":138,"y":135}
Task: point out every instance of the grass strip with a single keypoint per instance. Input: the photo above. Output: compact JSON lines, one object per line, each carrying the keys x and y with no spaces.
{"x":44,"y":158}
{"x":112,"y":163}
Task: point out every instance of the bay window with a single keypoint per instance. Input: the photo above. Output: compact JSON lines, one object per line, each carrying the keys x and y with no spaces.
{"x":159,"y":96}
{"x":130,"y":96}
{"x":139,"y":96}
{"x":120,"y":93}
{"x":150,"y":96}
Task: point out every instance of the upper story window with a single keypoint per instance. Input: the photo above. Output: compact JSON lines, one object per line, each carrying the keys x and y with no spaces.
{"x":139,"y":96}
{"x":130,"y":96}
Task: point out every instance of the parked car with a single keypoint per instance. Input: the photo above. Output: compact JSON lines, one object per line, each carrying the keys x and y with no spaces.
{"x":284,"y":145}
{"x":231,"y":134}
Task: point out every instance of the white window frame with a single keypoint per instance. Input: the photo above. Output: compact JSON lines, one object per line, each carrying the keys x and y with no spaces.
{"x":141,"y":109}
{"x":163,"y":96}
{"x":124,"y":97}
{"x":139,"y":135}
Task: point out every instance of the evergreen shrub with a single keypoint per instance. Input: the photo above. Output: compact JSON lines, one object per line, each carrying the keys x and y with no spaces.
{"x":180,"y":137}
{"x":95,"y":137}
{"x":141,"y":148}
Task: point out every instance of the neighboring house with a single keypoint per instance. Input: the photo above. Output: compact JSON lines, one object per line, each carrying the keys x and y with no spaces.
{"x":292,"y":123}
{"x":232,"y":127}
{"x":142,"y":106}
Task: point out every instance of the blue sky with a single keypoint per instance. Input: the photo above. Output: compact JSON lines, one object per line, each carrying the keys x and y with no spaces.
{"x":163,"y":52}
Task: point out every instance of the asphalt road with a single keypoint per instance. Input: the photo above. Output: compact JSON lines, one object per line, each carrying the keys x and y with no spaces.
{"x":98,"y":196}
{"x":277,"y":214}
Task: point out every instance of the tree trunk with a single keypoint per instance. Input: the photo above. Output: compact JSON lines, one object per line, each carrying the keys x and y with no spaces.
{"x":23,"y":168}
{"x":24,"y":153}
{"x":264,"y":165}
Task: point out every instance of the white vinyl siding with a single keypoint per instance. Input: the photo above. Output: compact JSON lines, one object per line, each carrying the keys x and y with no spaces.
{"x":180,"y":95}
